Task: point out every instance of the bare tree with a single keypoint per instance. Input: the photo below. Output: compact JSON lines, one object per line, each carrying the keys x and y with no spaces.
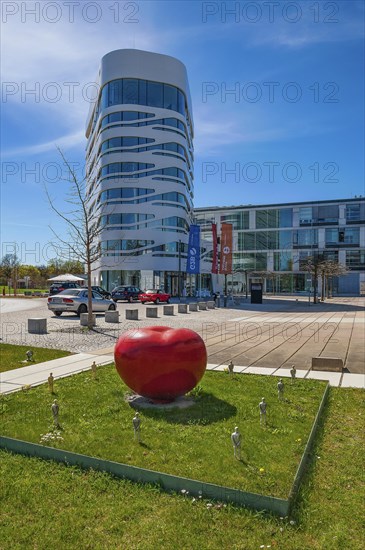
{"x":328,"y":270}
{"x":82,"y":221}
{"x":319,"y":267}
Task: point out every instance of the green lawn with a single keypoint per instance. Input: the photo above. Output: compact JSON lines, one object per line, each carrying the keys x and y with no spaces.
{"x":193,"y":443}
{"x":47,"y":505}
{"x":11,"y":356}
{"x":10,"y":290}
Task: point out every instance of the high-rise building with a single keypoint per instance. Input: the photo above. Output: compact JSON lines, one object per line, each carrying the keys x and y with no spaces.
{"x":139,"y":162}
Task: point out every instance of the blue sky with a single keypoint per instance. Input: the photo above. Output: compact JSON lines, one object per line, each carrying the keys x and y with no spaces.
{"x":291,"y":131}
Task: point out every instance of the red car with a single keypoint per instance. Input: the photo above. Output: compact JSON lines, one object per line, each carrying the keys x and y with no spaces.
{"x":155,"y":296}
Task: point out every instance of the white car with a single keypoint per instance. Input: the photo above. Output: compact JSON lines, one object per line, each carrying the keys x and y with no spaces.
{"x":75,"y":300}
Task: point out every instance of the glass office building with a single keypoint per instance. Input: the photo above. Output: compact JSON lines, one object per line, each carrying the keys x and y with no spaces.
{"x":140,"y":169}
{"x":274,"y":242}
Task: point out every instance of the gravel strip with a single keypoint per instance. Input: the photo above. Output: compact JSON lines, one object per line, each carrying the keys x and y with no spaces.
{"x":66,"y":333}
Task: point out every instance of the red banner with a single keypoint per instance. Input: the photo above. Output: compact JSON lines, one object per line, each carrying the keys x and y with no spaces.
{"x":226,"y":249}
{"x":215,"y":249}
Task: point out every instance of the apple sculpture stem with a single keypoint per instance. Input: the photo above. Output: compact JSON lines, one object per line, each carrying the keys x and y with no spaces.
{"x":160,"y":363}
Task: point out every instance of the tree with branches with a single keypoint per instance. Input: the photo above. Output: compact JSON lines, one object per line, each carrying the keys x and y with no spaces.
{"x":321,"y":268}
{"x":9,"y":266}
{"x":82,"y":221}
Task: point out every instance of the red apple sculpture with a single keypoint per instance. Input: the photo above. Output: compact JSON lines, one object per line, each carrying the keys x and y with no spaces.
{"x":160,"y":363}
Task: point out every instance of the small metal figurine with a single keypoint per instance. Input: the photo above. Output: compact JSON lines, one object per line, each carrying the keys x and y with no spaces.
{"x":262,"y":407}
{"x":230,"y":368}
{"x":281,"y":389}
{"x":29,"y":355}
{"x":50,"y":382}
{"x":293,"y":372}
{"x":55,"y":410}
{"x":236,"y":442}
{"x":93,"y":368}
{"x":137,"y":427}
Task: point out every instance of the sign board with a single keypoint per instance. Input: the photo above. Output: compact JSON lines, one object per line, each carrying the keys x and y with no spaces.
{"x":256,"y":293}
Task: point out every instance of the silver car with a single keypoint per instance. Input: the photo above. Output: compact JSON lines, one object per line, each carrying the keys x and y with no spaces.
{"x":75,"y":300}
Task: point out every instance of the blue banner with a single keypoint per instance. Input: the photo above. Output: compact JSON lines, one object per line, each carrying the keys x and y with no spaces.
{"x":193,"y":261}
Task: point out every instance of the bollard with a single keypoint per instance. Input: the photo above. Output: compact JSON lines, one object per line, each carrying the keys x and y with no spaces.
{"x":182,"y":308}
{"x":202,"y":306}
{"x":84,"y":319}
{"x":37,"y":326}
{"x":193,"y":307}
{"x":112,"y":316}
{"x":151,"y":312}
{"x":168,"y":310}
{"x":131,"y":314}
{"x":211,"y":305}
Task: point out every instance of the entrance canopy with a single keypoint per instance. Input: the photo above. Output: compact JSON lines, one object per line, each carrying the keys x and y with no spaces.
{"x":66,"y":277}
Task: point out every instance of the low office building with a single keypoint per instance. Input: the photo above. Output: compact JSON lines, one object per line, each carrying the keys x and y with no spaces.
{"x":273,"y":242}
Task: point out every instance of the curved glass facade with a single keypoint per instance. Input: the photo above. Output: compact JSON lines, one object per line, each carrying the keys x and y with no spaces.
{"x":133,"y":91}
{"x":140,"y":151}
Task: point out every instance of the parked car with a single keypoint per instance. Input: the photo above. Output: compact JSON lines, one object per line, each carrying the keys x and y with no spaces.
{"x":155,"y":296}
{"x":102,"y":291}
{"x":58,"y":287}
{"x":75,"y":300}
{"x":128,"y":293}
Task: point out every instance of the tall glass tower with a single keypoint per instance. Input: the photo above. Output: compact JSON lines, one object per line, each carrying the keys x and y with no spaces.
{"x":139,"y":162}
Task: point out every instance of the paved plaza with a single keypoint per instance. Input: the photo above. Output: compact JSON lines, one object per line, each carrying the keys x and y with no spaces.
{"x":263,"y":339}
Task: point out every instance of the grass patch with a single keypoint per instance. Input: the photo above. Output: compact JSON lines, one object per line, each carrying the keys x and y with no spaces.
{"x":11,"y":356}
{"x":20,"y":291}
{"x":193,"y":443}
{"x":45,"y":505}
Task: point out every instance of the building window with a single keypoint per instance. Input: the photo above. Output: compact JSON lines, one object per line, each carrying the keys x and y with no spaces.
{"x":142,"y":92}
{"x":355,"y":259}
{"x":286,"y":217}
{"x":305,"y":215}
{"x":305,"y":238}
{"x":355,"y":213}
{"x":239,"y":220}
{"x":267,"y":219}
{"x":250,"y":262}
{"x":283,"y":261}
{"x":343,"y":236}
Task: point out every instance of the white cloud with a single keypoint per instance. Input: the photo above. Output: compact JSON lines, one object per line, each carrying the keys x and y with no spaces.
{"x":65,"y":142}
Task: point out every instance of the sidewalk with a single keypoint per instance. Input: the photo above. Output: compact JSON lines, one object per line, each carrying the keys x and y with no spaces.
{"x":34,"y":375}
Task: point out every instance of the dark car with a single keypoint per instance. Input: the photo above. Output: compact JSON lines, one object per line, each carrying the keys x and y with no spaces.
{"x":56,"y":288}
{"x":102,"y":291}
{"x":128,"y":293}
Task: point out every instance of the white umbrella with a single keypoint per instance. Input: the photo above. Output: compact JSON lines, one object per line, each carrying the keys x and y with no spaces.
{"x":66,"y":277}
